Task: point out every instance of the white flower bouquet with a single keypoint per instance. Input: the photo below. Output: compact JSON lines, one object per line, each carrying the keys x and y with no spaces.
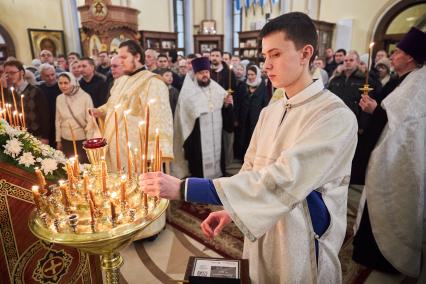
{"x":23,"y":150}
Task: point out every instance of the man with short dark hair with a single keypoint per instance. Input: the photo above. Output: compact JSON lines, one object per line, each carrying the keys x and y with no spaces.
{"x":93,"y":83}
{"x":61,"y":62}
{"x":133,"y":92}
{"x":223,"y":75}
{"x":103,"y":63}
{"x":35,"y":103}
{"x":289,"y":198}
{"x":163,"y":63}
{"x":226,"y":57}
{"x":72,"y":56}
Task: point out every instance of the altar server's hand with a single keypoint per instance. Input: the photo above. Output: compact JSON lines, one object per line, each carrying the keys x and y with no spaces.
{"x":214,"y":223}
{"x":160,"y":184}
{"x":367,"y":104}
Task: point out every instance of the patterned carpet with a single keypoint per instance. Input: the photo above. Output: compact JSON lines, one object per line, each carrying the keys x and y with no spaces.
{"x":187,"y":217}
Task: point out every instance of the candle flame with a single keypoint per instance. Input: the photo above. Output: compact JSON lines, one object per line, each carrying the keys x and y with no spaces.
{"x":20,"y":114}
{"x":143,"y":157}
{"x":35,"y":188}
{"x":12,"y":89}
{"x":230,"y":66}
{"x":61,"y":182}
{"x":22,"y":96}
{"x":151,"y":101}
{"x":113,"y":194}
{"x":117,"y":106}
{"x":15,"y":112}
{"x":371,"y":44}
{"x":129,"y":145}
{"x":156,"y":131}
{"x":123,"y":177}
{"x":142,"y":122}
{"x":127,"y":111}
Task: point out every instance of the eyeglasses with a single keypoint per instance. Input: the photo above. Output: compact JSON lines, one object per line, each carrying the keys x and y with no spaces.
{"x":11,"y":72}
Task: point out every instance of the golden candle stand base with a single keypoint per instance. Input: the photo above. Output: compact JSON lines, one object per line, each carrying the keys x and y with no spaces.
{"x":105,"y":241}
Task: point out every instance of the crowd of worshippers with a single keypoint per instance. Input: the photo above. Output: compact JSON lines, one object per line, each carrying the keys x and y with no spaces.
{"x":86,"y":82}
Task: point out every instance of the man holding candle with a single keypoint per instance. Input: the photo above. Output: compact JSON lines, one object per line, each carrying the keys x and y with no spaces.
{"x":392,"y":211}
{"x":222,"y":73}
{"x":36,"y":107}
{"x":290,"y":197}
{"x":131,"y":95}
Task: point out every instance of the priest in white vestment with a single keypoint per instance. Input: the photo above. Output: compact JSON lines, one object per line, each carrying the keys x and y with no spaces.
{"x":202,"y":111}
{"x":391,"y":236}
{"x":290,"y":197}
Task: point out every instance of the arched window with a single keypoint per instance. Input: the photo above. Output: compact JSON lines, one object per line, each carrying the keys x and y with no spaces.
{"x":398,"y":21}
{"x":7,"y":48}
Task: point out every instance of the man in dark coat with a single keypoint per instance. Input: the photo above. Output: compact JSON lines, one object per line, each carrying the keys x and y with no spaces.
{"x":347,"y":86}
{"x":49,"y":87}
{"x":36,"y":107}
{"x":93,"y":83}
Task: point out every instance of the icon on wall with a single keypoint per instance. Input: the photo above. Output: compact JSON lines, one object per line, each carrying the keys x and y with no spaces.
{"x":52,"y":40}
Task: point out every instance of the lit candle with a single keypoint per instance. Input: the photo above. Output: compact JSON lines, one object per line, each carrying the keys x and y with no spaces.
{"x":40,"y":179}
{"x":146,"y":133}
{"x":74,"y":144}
{"x":15,"y":118}
{"x":12,"y":89}
{"x":123,"y":188}
{"x":36,"y":196}
{"x":9,"y":113}
{"x":63,"y":189}
{"x":85,"y":184}
{"x":141,"y":140}
{"x":70,"y":174}
{"x":370,"y":49}
{"x":230,"y":72}
{"x":135,"y":160}
{"x":92,"y":197}
{"x":103,"y":175}
{"x":76,"y":167}
{"x":117,"y":145}
{"x":21,"y":120}
{"x":3,"y":103}
{"x":126,"y":129}
{"x":92,"y":210}
{"x":157,"y":150}
{"x":23,"y":112}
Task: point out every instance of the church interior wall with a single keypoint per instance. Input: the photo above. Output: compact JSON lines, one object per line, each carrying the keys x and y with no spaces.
{"x":19,"y":15}
{"x":364,"y":14}
{"x":362,"y":17}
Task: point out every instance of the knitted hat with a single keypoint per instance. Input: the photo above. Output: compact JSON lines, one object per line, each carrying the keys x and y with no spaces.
{"x":414,"y":44}
{"x":200,"y":64}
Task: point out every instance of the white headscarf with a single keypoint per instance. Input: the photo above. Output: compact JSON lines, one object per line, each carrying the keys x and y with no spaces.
{"x":73,"y":81}
{"x":258,"y":79}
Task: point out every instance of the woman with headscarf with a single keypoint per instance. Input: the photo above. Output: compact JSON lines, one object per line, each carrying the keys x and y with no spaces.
{"x":253,"y":100}
{"x":72,"y":116}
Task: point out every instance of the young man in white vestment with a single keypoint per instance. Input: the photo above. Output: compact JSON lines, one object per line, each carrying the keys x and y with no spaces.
{"x":289,"y":198}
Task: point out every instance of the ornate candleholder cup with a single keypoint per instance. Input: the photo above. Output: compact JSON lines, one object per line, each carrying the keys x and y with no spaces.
{"x":95,"y":149}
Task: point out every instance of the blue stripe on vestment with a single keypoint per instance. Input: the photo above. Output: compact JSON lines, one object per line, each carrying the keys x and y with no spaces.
{"x":202,"y":190}
{"x":320,"y":217}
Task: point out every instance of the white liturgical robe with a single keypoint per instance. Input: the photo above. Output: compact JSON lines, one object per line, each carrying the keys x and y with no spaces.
{"x":300,"y":144}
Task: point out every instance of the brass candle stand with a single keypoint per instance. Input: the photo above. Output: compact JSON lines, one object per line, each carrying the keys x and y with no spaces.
{"x":95,"y":213}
